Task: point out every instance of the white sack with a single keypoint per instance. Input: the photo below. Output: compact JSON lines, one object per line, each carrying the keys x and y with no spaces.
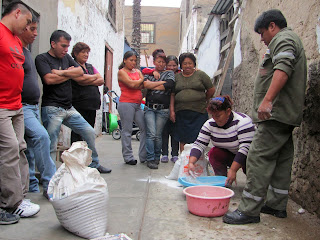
{"x":174,"y":174}
{"x":79,"y":194}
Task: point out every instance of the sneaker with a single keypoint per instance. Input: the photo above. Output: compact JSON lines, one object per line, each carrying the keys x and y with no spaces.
{"x":132,"y":162}
{"x":152,"y":164}
{"x":277,"y":213}
{"x":102,"y":169}
{"x":174,"y":159}
{"x":27,"y":209}
{"x":8,"y":218}
{"x":157,"y":161}
{"x":164,"y":159}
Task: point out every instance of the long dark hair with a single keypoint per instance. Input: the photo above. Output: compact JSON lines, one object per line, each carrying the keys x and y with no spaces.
{"x":126,"y":56}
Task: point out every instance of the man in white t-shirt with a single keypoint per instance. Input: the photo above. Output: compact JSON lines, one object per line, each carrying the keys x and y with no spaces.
{"x":105,"y":111}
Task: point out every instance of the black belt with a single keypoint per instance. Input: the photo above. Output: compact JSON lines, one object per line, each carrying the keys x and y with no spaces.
{"x":157,"y":106}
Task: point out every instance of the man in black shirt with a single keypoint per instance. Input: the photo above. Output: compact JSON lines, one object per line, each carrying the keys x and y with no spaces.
{"x":56,"y":69}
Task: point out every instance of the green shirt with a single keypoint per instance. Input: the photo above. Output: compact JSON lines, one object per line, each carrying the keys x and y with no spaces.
{"x":190,"y":92}
{"x":285,"y":52}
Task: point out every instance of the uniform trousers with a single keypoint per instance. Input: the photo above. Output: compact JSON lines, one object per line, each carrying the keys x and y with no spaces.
{"x":269,"y":165}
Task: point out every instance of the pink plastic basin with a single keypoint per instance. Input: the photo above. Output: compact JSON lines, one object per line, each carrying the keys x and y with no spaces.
{"x":208,"y":201}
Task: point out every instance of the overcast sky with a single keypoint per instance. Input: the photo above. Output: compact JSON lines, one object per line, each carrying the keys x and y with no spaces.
{"x":160,"y":3}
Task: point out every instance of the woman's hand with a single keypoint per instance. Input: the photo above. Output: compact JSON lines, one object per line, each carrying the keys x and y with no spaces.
{"x":156,"y":75}
{"x":231,"y":177}
{"x":191,"y":167}
{"x":173,"y":116}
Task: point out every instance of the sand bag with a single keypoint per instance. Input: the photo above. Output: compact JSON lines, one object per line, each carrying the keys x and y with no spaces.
{"x":174,"y":174}
{"x":200,"y":165}
{"x":79,"y":194}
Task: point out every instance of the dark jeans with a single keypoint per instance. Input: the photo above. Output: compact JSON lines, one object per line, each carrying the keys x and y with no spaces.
{"x":168,"y":130}
{"x":90,"y":117}
{"x":105,"y":121}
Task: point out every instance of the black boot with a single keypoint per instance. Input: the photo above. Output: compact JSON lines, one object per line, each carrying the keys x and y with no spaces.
{"x":277,"y":213}
{"x":238,"y":217}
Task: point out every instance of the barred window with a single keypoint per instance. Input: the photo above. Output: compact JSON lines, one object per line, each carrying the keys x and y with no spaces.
{"x":147,"y":33}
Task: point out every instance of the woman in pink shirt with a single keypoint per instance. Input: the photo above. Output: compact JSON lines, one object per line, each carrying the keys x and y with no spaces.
{"x":131,"y":82}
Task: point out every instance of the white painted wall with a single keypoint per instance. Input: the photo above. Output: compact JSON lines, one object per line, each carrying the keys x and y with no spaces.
{"x":190,"y":39}
{"x":208,"y":52}
{"x":87,"y":22}
{"x":237,"y":50}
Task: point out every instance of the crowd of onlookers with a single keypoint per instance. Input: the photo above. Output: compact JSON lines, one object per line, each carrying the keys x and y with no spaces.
{"x":178,"y":101}
{"x":25,"y":143}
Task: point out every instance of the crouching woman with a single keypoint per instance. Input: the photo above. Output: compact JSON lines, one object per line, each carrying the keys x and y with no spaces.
{"x":230,"y":133}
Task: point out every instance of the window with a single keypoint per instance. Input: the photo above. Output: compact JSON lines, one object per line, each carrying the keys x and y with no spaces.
{"x":112,"y":11}
{"x":147,"y":33}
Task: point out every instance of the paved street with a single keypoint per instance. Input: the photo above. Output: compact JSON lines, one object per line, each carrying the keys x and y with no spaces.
{"x":146,"y":206}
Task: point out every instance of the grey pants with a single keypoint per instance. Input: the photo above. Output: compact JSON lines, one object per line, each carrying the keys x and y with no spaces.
{"x":14,"y":168}
{"x":269,"y":165}
{"x":129,"y":113}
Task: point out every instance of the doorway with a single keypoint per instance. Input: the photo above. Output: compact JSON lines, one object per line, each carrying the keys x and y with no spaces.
{"x":108,"y":69}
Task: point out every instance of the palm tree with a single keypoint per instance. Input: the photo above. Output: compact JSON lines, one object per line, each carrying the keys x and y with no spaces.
{"x":136,"y":25}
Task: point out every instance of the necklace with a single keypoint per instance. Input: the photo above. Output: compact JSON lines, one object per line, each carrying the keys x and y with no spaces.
{"x":130,"y":71}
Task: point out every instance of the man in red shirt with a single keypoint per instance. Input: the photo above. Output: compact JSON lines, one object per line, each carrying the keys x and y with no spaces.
{"x":14,"y":171}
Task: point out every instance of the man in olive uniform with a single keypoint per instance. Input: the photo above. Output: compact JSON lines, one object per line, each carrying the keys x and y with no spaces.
{"x":278,"y":101}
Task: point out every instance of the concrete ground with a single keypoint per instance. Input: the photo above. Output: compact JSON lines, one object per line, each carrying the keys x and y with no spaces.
{"x":145,"y":206}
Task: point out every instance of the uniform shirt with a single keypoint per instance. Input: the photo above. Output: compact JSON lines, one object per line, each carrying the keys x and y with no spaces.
{"x":11,"y":70}
{"x":57,"y":95}
{"x":190,"y":92}
{"x":235,"y":136}
{"x":285,"y":52}
{"x":30,"y":91}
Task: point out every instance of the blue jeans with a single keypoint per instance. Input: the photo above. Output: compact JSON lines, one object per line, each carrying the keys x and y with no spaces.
{"x":38,"y":148}
{"x":53,"y":117}
{"x":155,"y":121}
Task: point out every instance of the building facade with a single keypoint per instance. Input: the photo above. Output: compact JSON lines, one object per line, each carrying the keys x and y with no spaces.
{"x":194,"y":15}
{"x":159,"y":29}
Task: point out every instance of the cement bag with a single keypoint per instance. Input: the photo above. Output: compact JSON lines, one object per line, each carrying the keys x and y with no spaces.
{"x":79,"y":194}
{"x":174,"y":174}
{"x":200,"y":165}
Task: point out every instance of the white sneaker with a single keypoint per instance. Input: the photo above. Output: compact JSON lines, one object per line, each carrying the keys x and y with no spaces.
{"x":27,"y":209}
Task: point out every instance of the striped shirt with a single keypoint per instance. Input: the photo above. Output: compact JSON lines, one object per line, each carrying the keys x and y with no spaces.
{"x":235,"y":136}
{"x":160,"y":96}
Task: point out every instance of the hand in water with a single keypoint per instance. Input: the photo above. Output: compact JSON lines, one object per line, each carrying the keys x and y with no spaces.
{"x":194,"y":171}
{"x":231,"y":177}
